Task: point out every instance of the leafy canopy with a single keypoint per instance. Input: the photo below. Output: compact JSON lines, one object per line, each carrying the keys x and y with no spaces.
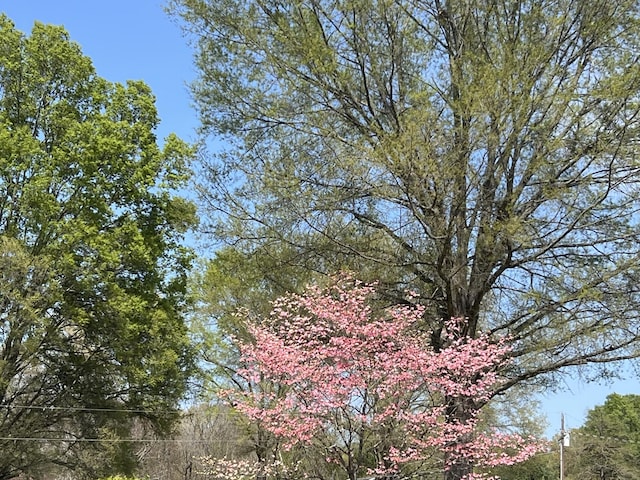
{"x":607,"y":446}
{"x":482,"y":153}
{"x":93,"y":267}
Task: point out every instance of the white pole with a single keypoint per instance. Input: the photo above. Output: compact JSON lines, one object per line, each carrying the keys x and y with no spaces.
{"x":562,"y":434}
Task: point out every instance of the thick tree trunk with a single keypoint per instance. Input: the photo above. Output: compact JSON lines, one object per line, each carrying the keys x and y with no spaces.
{"x":459,"y":410}
{"x":459,"y":470}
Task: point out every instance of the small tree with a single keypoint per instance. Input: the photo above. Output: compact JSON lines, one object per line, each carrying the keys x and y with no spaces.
{"x":366,"y":387}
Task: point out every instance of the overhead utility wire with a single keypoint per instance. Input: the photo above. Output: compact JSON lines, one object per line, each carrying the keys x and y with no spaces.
{"x":87,"y":409}
{"x":106,"y":440}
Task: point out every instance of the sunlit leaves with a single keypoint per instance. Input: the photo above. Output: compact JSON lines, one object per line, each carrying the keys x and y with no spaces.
{"x":91,"y":236}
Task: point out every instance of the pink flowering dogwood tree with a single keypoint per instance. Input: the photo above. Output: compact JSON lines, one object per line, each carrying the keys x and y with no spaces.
{"x":367,"y":386}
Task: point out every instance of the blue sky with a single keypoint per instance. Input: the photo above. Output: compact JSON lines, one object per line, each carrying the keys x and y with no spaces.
{"x":127,"y":40}
{"x":136,"y":40}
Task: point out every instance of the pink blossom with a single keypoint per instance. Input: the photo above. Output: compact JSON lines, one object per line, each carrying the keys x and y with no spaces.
{"x":332,"y":356}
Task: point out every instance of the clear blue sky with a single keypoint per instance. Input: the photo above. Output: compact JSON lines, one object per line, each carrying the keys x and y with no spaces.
{"x":135,"y":39}
{"x":127,"y":40}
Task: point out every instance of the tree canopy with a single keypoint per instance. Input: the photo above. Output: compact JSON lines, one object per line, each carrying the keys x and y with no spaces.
{"x":483,"y":153}
{"x":92,"y":267}
{"x":607,"y":446}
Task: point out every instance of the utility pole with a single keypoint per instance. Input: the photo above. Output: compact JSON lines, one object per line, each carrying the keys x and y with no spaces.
{"x":562,"y":446}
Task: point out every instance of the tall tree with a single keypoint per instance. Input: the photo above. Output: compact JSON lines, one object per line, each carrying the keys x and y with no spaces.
{"x":480,"y":152}
{"x":92,"y":267}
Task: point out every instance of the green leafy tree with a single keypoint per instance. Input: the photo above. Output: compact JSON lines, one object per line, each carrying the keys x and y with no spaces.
{"x":229,"y":282}
{"x":483,"y":153}
{"x":607,"y":446}
{"x":92,"y":266}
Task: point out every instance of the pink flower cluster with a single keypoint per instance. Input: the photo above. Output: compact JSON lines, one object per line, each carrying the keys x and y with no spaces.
{"x":327,"y":355}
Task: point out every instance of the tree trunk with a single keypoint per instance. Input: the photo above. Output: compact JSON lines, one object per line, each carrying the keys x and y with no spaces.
{"x":459,"y":410}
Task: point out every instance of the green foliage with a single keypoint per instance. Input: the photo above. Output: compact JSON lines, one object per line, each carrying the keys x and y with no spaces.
{"x":607,"y":446}
{"x":93,"y":278}
{"x":543,"y":466}
{"x":224,"y":285}
{"x":480,"y":153}
{"x":483,"y":154}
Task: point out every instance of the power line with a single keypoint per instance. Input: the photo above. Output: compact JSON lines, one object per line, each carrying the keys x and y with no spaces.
{"x":106,"y":440}
{"x":88,"y":409}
